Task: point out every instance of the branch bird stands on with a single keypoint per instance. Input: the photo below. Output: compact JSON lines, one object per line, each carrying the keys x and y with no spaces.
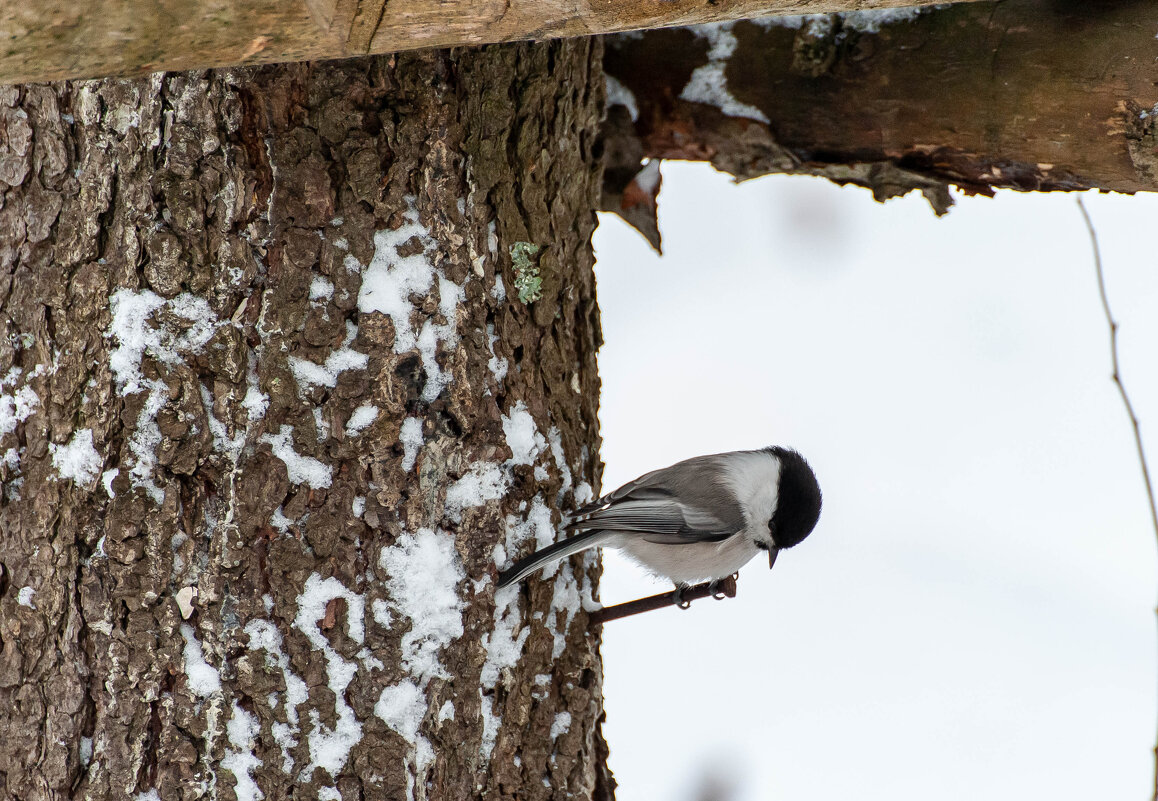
{"x":724,"y":588}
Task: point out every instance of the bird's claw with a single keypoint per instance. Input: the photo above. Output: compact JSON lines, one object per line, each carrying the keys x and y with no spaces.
{"x":717,"y":593}
{"x":680,"y":600}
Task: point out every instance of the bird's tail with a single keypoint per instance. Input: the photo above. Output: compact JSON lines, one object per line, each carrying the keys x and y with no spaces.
{"x":552,"y":553}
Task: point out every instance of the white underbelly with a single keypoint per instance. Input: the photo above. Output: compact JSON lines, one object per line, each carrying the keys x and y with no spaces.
{"x":691,"y":563}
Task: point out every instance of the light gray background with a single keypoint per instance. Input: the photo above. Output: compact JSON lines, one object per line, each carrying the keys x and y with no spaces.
{"x":973,"y":616}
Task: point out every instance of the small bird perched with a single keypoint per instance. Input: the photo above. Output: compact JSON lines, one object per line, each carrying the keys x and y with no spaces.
{"x":700,"y":519}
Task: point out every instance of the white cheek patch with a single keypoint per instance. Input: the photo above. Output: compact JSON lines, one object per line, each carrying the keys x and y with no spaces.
{"x":754,"y":477}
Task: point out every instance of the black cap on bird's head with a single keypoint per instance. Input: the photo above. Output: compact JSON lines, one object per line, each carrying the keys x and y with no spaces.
{"x":797,"y":500}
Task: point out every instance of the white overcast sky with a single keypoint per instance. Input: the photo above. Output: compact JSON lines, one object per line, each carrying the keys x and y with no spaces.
{"x":974,"y":615}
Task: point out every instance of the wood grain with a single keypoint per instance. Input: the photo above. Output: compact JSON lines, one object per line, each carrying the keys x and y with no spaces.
{"x":1033,"y":95}
{"x":57,"y":39}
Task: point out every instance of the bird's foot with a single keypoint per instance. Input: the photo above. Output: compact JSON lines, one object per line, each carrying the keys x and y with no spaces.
{"x":680,"y":600}
{"x":714,"y":589}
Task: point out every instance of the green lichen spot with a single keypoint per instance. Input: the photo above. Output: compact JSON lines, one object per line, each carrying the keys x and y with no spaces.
{"x":527,"y":279}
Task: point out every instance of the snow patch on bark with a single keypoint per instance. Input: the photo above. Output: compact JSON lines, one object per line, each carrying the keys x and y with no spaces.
{"x":16,"y":408}
{"x":504,"y":648}
{"x":869,"y":21}
{"x":523,"y":437}
{"x":561,"y":725}
{"x":411,"y":439}
{"x":78,"y":459}
{"x":255,"y":401}
{"x":424,"y":572}
{"x":565,"y":603}
{"x":203,"y":678}
{"x":145,"y":324}
{"x":144,"y":441}
{"x":24,"y":597}
{"x":403,"y":707}
{"x":486,"y":481}
{"x":222,"y":442}
{"x":169,"y":341}
{"x":360,"y":419}
{"x":330,"y":747}
{"x":620,"y":95}
{"x":535,"y":525}
{"x":708,"y":84}
{"x":587,"y":587}
{"x":872,"y":20}
{"x":264,"y":636}
{"x":381,"y":612}
{"x":321,"y":289}
{"x":527,"y":446}
{"x":311,"y":374}
{"x":584,"y":494}
{"x":556,"y":441}
{"x":279,"y":520}
{"x":391,"y":279}
{"x":504,"y":645}
{"x":242,"y":730}
{"x":497,"y":365}
{"x":300,"y":469}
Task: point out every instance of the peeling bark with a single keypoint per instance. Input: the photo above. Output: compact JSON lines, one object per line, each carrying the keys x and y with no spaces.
{"x":268,"y":418}
{"x":1033,"y":95}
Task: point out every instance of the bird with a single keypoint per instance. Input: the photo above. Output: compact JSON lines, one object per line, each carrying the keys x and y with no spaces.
{"x":701,"y":519}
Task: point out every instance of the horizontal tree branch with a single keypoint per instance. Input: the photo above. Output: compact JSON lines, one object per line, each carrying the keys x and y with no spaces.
{"x":724,"y":588}
{"x":1025,"y":94}
{"x":55,"y":39}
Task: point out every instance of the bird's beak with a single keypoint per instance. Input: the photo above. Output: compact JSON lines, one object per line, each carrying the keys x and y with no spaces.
{"x":772,"y":556}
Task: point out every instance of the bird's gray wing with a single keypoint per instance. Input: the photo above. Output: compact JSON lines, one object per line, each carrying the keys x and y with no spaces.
{"x":684,"y":503}
{"x":642,"y":488}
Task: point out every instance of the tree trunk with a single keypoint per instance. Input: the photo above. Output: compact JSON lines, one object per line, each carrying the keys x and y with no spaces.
{"x":271,"y":410}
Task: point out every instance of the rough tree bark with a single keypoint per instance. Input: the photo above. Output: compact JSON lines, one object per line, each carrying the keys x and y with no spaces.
{"x":1022,"y":94}
{"x":271,"y":409}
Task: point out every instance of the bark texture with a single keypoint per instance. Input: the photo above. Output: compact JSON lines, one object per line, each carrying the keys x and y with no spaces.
{"x":269,"y":413}
{"x":56,"y":39}
{"x":1034,"y":95}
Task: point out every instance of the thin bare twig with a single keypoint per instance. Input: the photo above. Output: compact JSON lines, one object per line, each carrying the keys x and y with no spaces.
{"x":1117,"y":378}
{"x":725,"y":588}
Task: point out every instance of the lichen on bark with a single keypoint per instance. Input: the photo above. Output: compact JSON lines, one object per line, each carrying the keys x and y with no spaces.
{"x":268,"y":418}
